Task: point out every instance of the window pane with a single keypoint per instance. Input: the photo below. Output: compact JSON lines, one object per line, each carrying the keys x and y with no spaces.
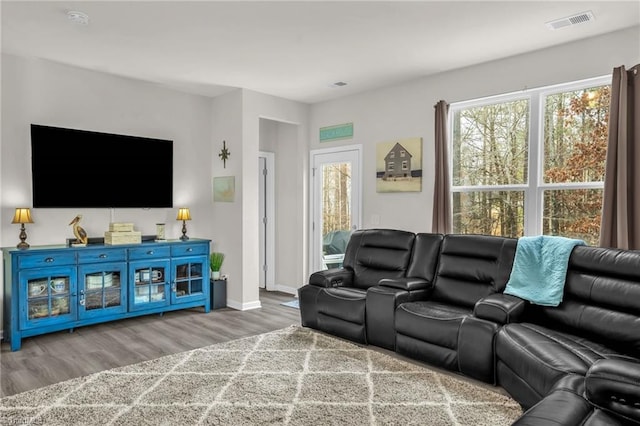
{"x":336,"y":197}
{"x":336,"y":212}
{"x":575,"y":135}
{"x":489,"y":212}
{"x":490,"y":144}
{"x":573,"y":213}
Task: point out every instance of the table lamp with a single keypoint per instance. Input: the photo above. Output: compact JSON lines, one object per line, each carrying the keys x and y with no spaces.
{"x":22,"y":216}
{"x":184,"y":215}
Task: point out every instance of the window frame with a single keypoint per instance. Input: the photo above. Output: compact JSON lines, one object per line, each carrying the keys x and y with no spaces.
{"x":535,"y":186}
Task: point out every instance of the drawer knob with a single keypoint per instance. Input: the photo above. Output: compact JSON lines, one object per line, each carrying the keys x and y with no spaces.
{"x":189,"y":249}
{"x":150,"y":252}
{"x":49,"y":259}
{"x":103,"y":256}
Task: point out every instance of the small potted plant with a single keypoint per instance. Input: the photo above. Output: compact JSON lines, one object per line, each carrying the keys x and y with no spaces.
{"x":215,"y":261}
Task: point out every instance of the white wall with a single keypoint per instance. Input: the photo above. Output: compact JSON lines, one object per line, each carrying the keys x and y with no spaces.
{"x":407,"y":110}
{"x":226,"y":217}
{"x":43,"y":92}
{"x":256,"y":107}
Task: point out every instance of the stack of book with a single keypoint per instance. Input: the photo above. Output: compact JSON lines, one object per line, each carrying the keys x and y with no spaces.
{"x":122,"y":233}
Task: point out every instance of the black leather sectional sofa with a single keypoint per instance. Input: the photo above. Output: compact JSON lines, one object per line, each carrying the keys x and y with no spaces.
{"x":439,"y":299}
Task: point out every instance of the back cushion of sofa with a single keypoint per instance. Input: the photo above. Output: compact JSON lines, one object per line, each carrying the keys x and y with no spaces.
{"x":424,"y":258}
{"x":374,"y":254}
{"x":601,"y":299}
{"x":472,"y":267}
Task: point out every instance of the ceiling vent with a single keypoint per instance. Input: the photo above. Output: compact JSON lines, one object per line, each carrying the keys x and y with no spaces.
{"x":580,"y":18}
{"x":77,"y":17}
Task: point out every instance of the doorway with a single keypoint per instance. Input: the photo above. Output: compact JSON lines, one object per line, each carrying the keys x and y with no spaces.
{"x":336,"y":200}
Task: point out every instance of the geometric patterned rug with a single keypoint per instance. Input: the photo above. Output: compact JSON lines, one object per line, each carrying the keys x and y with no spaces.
{"x":294,"y":376}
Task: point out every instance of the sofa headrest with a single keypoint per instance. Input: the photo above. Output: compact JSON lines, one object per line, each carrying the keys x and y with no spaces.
{"x":472,"y":267}
{"x":424,"y":258}
{"x":373,"y":254}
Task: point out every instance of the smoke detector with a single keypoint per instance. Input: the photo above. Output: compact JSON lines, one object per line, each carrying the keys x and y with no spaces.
{"x":79,"y":18}
{"x":579,"y":18}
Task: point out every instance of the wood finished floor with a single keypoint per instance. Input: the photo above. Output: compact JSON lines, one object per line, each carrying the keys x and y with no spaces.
{"x":55,"y":357}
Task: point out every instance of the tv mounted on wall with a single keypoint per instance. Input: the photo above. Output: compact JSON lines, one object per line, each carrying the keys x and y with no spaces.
{"x":79,"y":168}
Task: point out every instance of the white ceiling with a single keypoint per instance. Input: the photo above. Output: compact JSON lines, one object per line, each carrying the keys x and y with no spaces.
{"x":296,"y":49}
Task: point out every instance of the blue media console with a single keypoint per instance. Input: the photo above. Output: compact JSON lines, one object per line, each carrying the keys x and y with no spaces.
{"x":53,"y":288}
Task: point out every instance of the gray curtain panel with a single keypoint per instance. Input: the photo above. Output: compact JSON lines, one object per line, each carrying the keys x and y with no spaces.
{"x":620,"y":225}
{"x":442,"y":187}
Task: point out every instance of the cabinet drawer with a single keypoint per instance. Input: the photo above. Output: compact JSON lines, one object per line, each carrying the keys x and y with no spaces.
{"x":99,"y":256}
{"x":189,"y":249}
{"x":46,"y":259}
{"x":151,"y":252}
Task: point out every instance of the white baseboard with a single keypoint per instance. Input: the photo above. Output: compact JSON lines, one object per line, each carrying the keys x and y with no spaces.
{"x":287,"y":289}
{"x":244,"y":306}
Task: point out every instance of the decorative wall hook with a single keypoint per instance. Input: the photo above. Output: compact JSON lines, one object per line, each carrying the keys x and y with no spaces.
{"x":224,"y":154}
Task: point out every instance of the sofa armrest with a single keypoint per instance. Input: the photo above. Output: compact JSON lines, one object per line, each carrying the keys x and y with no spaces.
{"x":614,"y":385}
{"x":500,"y":308}
{"x":336,"y":277}
{"x":408,"y":284}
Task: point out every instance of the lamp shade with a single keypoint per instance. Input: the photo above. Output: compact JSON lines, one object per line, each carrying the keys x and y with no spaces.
{"x":183,"y":214}
{"x":23,"y":215}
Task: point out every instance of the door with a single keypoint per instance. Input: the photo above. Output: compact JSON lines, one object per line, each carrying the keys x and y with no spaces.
{"x":102,"y":289}
{"x":189,"y":279}
{"x":336,"y":189}
{"x":266,"y":212}
{"x":149,"y":284}
{"x":49,"y":296}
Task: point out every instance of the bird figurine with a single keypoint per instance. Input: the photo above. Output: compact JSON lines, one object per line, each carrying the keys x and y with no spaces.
{"x":78,"y":231}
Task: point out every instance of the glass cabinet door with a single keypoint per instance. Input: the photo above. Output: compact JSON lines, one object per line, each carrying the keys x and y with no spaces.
{"x":101,"y":291}
{"x":191,"y":278}
{"x":150,"y":282}
{"x":49,"y":294}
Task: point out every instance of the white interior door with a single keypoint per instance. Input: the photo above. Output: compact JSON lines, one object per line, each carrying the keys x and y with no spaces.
{"x":336,"y":189}
{"x":266,"y":201}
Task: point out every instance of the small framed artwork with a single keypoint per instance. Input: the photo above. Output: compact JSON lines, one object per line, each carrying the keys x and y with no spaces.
{"x":399,"y":165}
{"x":224,"y":189}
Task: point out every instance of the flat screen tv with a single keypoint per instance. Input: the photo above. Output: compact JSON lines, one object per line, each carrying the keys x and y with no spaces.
{"x":80,"y":168}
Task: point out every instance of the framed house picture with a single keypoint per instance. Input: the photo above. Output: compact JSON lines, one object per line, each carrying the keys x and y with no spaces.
{"x":399,"y":165}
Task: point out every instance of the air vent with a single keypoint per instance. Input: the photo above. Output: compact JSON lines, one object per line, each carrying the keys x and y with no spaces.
{"x":580,"y":18}
{"x":79,"y":18}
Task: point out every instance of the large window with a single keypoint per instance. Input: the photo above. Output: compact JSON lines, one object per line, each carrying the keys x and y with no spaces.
{"x":532,"y":162}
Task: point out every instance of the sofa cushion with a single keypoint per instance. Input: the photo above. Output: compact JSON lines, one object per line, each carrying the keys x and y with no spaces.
{"x":541,"y":356}
{"x":433,"y":322}
{"x":472,"y":267}
{"x":424,"y":258}
{"x":374,"y":254}
{"x":601,"y":299}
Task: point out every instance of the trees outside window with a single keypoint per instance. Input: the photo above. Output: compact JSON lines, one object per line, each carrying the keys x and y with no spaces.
{"x":531,"y":163}
{"x":336,"y":197}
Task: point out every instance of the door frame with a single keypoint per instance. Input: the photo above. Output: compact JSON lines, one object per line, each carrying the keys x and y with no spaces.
{"x":270,"y":210}
{"x":356,"y":196}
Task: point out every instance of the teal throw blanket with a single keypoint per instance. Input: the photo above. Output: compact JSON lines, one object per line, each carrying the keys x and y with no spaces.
{"x":540,"y":269}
